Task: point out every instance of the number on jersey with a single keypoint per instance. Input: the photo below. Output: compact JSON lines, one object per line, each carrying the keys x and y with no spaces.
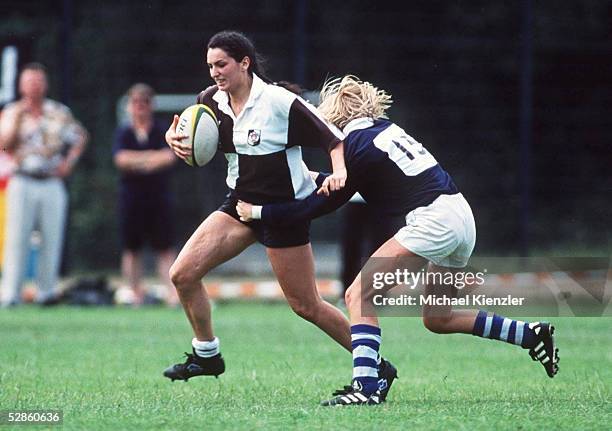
{"x":405,"y":151}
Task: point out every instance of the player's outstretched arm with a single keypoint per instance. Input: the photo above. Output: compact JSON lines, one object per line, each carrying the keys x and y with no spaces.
{"x":288,"y":213}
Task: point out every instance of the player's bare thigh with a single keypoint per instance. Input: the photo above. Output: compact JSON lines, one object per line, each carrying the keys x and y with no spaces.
{"x":294,"y":269}
{"x":396,"y":256}
{"x":438,"y":290}
{"x":218,"y":239}
{"x":389,"y":257}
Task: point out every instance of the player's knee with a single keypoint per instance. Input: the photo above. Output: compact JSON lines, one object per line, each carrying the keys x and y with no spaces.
{"x":355,"y":294}
{"x":437,"y":324}
{"x":176,"y":274}
{"x":182,"y":277}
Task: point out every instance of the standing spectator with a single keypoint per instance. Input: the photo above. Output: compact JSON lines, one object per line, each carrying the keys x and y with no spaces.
{"x":145,"y":201}
{"x":46,"y":143}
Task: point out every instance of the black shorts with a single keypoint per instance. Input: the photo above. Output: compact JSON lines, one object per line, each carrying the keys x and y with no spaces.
{"x":143,"y":221}
{"x":271,"y":236}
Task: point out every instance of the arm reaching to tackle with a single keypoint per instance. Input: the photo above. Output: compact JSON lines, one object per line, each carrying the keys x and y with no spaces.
{"x":288,"y":213}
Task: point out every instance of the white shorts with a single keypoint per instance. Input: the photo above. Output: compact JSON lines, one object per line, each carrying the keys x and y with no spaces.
{"x":443,"y":232}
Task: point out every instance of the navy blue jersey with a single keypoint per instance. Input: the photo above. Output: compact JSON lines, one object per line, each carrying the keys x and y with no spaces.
{"x":391,"y":170}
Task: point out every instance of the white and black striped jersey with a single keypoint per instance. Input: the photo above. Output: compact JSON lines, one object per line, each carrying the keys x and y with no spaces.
{"x":263,"y":144}
{"x":391,"y":170}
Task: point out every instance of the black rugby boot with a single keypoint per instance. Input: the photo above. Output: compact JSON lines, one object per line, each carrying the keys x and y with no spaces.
{"x":196,"y":366}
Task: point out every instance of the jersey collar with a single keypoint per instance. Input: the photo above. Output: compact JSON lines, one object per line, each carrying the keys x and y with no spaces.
{"x":222,"y":98}
{"x":357,"y":124}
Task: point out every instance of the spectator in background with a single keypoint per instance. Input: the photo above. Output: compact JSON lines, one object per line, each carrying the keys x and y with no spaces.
{"x":46,"y":142}
{"x":145,"y":200}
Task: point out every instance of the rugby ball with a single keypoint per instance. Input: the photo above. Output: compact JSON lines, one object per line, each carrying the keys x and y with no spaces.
{"x":199,"y":124}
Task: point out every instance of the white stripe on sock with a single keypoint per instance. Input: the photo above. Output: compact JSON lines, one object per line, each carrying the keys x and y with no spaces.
{"x":206,"y":349}
{"x":504,"y":330}
{"x":487,"y":328}
{"x":364,"y":352}
{"x":365,"y":372}
{"x":518,"y":336}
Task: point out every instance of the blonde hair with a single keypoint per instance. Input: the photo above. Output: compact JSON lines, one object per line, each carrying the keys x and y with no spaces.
{"x":347,"y":98}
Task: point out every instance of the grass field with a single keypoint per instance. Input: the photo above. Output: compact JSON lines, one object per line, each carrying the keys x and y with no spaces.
{"x":103,"y":368}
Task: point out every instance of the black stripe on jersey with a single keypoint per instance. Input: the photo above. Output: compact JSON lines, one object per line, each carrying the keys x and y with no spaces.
{"x":226,"y":124}
{"x":264,"y":178}
{"x":308,"y":130}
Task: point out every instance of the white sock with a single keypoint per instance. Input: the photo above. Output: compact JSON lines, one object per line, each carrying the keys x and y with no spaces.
{"x":206,"y":349}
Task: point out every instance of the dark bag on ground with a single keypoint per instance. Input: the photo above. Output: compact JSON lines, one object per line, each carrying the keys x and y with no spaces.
{"x":85,"y":292}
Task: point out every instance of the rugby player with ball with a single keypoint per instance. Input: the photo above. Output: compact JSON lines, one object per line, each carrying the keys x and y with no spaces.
{"x":261,"y":128}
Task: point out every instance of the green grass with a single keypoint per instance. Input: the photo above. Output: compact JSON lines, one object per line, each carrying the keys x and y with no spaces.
{"x":103,"y":368}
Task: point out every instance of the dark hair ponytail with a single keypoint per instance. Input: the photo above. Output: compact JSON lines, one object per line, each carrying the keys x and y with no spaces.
{"x":238,"y":46}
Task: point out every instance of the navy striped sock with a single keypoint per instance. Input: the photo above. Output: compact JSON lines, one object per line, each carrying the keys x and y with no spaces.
{"x":365,"y":340}
{"x":501,"y":328}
